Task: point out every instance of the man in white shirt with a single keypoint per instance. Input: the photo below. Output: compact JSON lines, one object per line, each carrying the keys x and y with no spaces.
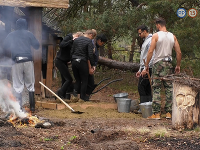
{"x":162,"y":43}
{"x":144,"y":87}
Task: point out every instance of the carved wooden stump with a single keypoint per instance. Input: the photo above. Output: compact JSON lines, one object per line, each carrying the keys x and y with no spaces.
{"x":185,"y":108}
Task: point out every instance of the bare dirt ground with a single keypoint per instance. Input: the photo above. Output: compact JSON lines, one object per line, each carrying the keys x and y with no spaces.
{"x":97,"y":129}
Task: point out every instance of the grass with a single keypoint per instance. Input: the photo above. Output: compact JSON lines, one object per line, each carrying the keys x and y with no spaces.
{"x":159,"y":132}
{"x":197,"y":129}
{"x":143,"y":130}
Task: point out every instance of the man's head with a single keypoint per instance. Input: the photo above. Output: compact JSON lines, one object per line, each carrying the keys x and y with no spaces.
{"x":90,"y":33}
{"x":143,"y":31}
{"x":160,"y":23}
{"x":77,"y":34}
{"x":101,"y":39}
{"x":21,"y":24}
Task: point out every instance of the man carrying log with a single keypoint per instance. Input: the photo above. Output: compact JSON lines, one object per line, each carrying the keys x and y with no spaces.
{"x":163,"y":43}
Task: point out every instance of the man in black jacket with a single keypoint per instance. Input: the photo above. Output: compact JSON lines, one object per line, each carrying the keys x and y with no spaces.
{"x":61,"y":62}
{"x":99,"y":41}
{"x":19,"y":43}
{"x":82,"y":51}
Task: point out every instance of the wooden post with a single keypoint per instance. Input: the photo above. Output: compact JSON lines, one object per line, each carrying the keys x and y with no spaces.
{"x":50,"y":57}
{"x":35,"y":26}
{"x":185,"y":109}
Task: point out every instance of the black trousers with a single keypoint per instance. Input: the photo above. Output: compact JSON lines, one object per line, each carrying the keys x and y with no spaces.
{"x":144,"y":88}
{"x":81,"y":72}
{"x":65,"y":74}
{"x":91,"y":86}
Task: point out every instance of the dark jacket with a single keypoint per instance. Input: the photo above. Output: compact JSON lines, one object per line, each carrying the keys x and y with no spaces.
{"x":83,"y":48}
{"x":65,"y":48}
{"x":19,"y":42}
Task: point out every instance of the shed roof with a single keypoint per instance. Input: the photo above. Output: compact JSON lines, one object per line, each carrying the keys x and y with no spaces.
{"x":36,"y":3}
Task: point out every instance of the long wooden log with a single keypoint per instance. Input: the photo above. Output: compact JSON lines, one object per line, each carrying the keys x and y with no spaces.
{"x":118,"y":64}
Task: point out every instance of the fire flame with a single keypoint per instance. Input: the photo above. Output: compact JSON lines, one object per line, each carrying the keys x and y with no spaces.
{"x":24,"y":122}
{"x":10,"y":105}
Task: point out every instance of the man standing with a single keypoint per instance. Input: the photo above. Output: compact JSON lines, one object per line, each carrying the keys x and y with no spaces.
{"x":144,"y":86}
{"x":19,"y":43}
{"x":163,"y":43}
{"x":62,"y":60}
{"x":82,"y":51}
{"x":99,"y":41}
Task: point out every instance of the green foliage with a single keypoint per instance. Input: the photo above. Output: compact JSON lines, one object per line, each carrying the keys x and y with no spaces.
{"x":48,"y":139}
{"x":72,"y":138}
{"x":119,"y":20}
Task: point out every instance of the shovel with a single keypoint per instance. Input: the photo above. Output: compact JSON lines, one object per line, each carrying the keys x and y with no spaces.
{"x":72,"y":110}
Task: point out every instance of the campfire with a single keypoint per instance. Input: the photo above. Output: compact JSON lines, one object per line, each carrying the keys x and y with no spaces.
{"x":30,"y":120}
{"x":16,"y":115}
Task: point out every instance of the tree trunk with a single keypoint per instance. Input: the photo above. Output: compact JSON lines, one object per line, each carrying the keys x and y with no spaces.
{"x":185,"y":109}
{"x":109,"y":50}
{"x":118,"y":65}
{"x":132,"y":50}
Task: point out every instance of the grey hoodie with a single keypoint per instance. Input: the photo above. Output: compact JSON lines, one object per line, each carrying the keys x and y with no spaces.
{"x":19,"y":42}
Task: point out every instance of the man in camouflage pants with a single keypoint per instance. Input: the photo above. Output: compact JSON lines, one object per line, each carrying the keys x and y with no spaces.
{"x":162,"y":42}
{"x":162,"y":69}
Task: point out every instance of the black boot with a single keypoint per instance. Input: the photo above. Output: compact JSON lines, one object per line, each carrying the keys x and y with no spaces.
{"x":62,"y":91}
{"x":75,"y":93}
{"x":68,"y":96}
{"x":32,"y":101}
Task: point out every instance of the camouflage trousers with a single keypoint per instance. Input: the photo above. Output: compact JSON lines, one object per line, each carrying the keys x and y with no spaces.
{"x":161,"y":69}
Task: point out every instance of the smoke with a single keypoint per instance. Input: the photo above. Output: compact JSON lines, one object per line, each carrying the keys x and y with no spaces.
{"x":8,"y":102}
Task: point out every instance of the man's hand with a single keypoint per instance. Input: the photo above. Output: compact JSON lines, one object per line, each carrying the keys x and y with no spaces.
{"x":144,"y":71}
{"x":138,"y":74}
{"x":177,"y":69}
{"x":92,"y":70}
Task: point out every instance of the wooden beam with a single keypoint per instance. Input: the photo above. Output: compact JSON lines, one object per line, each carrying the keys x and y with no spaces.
{"x":34,"y":3}
{"x":49,"y":69}
{"x":35,"y":26}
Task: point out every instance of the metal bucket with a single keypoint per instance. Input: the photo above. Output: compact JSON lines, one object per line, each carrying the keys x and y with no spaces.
{"x":120,"y":95}
{"x":146,"y":109}
{"x":134,"y":105}
{"x":123,"y":105}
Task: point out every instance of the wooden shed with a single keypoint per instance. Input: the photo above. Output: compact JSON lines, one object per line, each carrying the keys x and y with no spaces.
{"x":32,"y":10}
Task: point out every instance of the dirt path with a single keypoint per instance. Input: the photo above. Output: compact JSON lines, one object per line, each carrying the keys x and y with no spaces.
{"x":96,"y":129}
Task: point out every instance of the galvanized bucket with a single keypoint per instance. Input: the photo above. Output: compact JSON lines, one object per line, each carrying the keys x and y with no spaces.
{"x":146,"y":109}
{"x":123,"y":105}
{"x":120,"y":95}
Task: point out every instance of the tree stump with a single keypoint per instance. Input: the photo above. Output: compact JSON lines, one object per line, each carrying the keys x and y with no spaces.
{"x":185,"y":108}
